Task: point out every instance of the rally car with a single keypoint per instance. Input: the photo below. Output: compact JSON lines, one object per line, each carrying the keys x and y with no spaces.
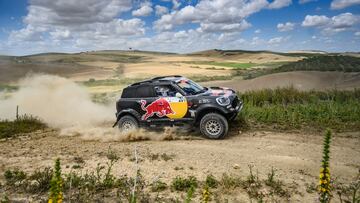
{"x":176,"y":100}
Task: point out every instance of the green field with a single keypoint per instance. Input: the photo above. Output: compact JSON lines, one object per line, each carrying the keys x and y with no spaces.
{"x":224,"y":64}
{"x":288,"y":108}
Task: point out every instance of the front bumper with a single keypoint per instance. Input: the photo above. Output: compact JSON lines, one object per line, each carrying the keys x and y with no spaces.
{"x":234,"y":111}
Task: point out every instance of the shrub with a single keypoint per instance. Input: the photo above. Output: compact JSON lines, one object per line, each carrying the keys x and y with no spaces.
{"x":158,"y":186}
{"x":24,"y":124}
{"x":349,"y":193}
{"x":211,"y":182}
{"x":184,"y":184}
{"x":42,"y":179}
{"x":228,"y":182}
{"x":14,"y":176}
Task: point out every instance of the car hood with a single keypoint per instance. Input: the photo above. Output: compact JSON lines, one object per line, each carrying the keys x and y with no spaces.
{"x":219,"y":91}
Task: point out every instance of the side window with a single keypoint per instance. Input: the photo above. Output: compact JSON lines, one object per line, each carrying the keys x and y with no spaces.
{"x":165,"y":91}
{"x":128,"y":92}
{"x":144,"y":91}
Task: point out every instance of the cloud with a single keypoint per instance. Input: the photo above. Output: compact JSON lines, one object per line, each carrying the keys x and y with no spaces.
{"x":315,"y":20}
{"x":211,"y":12}
{"x":285,"y":27}
{"x":29,"y":33}
{"x":340,"y":4}
{"x":357,"y":33}
{"x":257,"y":31}
{"x":305,"y":1}
{"x":144,"y":10}
{"x":277,"y":40}
{"x":161,"y":10}
{"x":276,"y":4}
{"x":224,"y":27}
{"x":60,"y":34}
{"x":335,"y":24}
{"x":64,"y":12}
{"x":176,"y":4}
{"x":74,"y":25}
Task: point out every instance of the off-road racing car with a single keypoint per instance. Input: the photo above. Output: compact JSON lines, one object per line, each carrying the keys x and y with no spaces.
{"x":175,"y":101}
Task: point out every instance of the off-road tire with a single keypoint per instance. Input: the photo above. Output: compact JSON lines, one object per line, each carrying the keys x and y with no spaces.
{"x":128,"y":123}
{"x":214,"y":126}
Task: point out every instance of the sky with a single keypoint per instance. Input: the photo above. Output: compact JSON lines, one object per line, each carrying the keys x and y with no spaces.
{"x":181,"y":26}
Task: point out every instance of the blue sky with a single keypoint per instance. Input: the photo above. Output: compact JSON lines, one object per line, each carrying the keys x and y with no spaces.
{"x":35,"y":26}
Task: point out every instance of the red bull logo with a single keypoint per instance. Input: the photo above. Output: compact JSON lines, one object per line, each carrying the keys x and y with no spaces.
{"x":161,"y":107}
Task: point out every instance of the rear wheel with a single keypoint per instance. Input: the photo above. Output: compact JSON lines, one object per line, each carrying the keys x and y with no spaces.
{"x":214,"y":126}
{"x":128,"y":123}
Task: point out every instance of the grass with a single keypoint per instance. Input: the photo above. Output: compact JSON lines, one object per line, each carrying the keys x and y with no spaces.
{"x":288,"y":108}
{"x":223,"y":64}
{"x":324,"y":63}
{"x":9,"y":88}
{"x":313,"y":63}
{"x":102,"y":183}
{"x":24,"y":124}
{"x":184,"y":184}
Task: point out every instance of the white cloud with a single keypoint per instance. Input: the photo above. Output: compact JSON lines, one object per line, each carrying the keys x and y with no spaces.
{"x":176,"y":4}
{"x":64,"y":12}
{"x":340,"y":4}
{"x":357,"y":33}
{"x":211,"y":12}
{"x":284,"y":27}
{"x":72,"y":23}
{"x":335,"y":24}
{"x":344,"y":20}
{"x":144,"y":10}
{"x":305,"y":1}
{"x":60,"y":34}
{"x":257,"y":31}
{"x":161,"y":10}
{"x":277,"y":40}
{"x":276,"y":4}
{"x":315,"y":20}
{"x":224,"y":27}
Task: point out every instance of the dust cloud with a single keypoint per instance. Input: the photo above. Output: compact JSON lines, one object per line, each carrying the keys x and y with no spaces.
{"x":67,"y":106}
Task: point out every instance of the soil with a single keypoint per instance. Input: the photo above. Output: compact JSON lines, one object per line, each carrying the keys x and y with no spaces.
{"x":295,"y":156}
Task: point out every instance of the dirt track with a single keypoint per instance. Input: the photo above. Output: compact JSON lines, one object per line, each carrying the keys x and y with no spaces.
{"x":296,"y":156}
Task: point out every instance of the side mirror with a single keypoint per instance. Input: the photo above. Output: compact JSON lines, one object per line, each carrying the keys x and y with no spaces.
{"x":178,"y":95}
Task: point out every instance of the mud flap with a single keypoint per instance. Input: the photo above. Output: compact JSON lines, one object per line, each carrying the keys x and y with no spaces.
{"x":116,"y":122}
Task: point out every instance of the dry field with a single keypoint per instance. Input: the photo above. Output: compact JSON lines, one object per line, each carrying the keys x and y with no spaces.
{"x":296,"y":155}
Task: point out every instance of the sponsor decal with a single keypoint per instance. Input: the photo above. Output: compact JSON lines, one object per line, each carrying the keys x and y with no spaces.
{"x":172,"y":107}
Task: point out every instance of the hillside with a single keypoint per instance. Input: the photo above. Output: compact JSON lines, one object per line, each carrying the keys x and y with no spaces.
{"x":324,"y":63}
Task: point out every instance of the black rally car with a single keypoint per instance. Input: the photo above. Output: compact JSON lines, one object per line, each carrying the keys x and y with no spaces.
{"x":176,"y":100}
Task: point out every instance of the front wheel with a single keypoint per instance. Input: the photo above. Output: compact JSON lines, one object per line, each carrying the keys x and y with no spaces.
{"x":128,"y":123}
{"x":214,"y":126}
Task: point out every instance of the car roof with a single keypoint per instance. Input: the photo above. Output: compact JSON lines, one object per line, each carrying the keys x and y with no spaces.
{"x":168,"y":79}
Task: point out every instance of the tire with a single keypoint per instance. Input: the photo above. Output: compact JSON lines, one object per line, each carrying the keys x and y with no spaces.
{"x":128,"y":123}
{"x":214,"y":126}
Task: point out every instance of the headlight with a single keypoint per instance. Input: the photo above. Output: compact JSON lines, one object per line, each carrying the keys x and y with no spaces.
{"x":223,"y":101}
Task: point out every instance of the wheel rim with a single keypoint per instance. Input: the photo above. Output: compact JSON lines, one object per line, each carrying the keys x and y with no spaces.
{"x":127,"y":126}
{"x":213,"y":127}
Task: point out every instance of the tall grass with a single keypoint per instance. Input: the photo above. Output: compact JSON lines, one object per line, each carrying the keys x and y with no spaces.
{"x":24,"y":124}
{"x":288,"y":108}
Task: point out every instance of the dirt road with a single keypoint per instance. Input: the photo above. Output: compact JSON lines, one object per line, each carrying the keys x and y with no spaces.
{"x":296,"y":156}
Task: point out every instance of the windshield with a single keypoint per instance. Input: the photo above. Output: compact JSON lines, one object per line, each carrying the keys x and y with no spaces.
{"x":190,"y":87}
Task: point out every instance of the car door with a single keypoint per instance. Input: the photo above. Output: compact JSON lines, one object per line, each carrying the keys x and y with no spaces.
{"x":170,"y":103}
{"x":146,"y":98}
